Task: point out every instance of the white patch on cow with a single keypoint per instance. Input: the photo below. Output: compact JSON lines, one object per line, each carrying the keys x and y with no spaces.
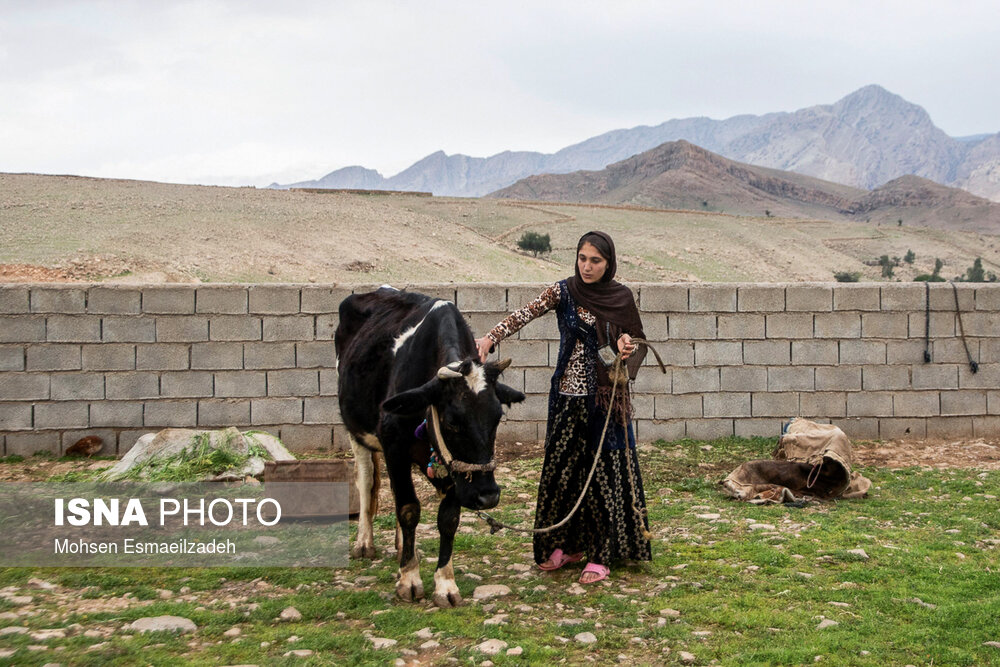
{"x":364,"y":543}
{"x":388,"y":287}
{"x":476,"y":379}
{"x":444,"y":582}
{"x":409,"y":574}
{"x":406,"y":335}
{"x":371,"y":441}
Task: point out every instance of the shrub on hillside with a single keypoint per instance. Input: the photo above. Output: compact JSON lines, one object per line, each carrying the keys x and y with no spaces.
{"x":535,"y":243}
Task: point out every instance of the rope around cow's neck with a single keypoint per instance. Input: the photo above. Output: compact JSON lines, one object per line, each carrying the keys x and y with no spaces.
{"x":616,"y":373}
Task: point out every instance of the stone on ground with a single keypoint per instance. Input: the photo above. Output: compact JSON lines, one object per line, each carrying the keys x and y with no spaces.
{"x":163,"y":624}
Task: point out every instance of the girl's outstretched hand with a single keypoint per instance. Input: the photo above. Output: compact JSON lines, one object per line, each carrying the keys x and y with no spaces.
{"x":483,"y":345}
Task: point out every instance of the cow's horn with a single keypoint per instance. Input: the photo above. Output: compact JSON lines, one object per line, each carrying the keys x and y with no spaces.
{"x":502,"y":365}
{"x":445,"y":373}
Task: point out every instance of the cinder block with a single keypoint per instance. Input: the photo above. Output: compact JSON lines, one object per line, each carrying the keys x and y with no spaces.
{"x":743,"y":378}
{"x":525,"y":353}
{"x":538,"y":380}
{"x":989,"y":352}
{"x":129,"y":330}
{"x":235,"y":327}
{"x":76,"y":386}
{"x":226,"y":412}
{"x":276,"y":411}
{"x":479,"y":298}
{"x":53,"y":357}
{"x":516,"y":432}
{"x":274,"y":300}
{"x":993,"y":402}
{"x":862,"y":352}
{"x":221,"y":300}
{"x":521,"y":295}
{"x":692,"y":326}
{"x":128,"y":438}
{"x":916,"y":404}
{"x":772,"y":404}
{"x":856,"y":297}
{"x":15,"y":416}
{"x":130,"y":386}
{"x":217,"y":356}
{"x":326,"y":326}
{"x":761,"y":299}
{"x":534,"y":408}
{"x":656,"y":430}
{"x":838,"y":378}
{"x":712,"y":299}
{"x":543,"y":328}
{"x":718,"y":353}
{"x":673,"y":353}
{"x":949,"y":428}
{"x":858,"y":428}
{"x":163,"y":357}
{"x":321,"y":410}
{"x":891,"y":428}
{"x":943,"y":297}
{"x":650,"y":381}
{"x":168,"y":300}
{"x":981,"y":324}
{"x":328,"y":381}
{"x":293,"y":383}
{"x":789,"y":325}
{"x":73,"y":329}
{"x":29,"y":444}
{"x":189,"y":384}
{"x":171,"y":414}
{"x":65,"y":414}
{"x":11,"y":358}
{"x":483,"y":323}
{"x":904,"y":351}
{"x":808,"y":298}
{"x":108,"y":357}
{"x":17,"y":329}
{"x":297,"y":327}
{"x":769,"y":353}
{"x":869,"y":404}
{"x":986,"y":427}
{"x":64,"y":300}
{"x":341,"y":440}
{"x":837,"y":325}
{"x":884,"y":325}
{"x":306,"y":438}
{"x":935,"y":376}
{"x":443,"y":291}
{"x":268,"y":355}
{"x":108,"y":439}
{"x":320,"y":354}
{"x":726,"y":405}
{"x":192,"y":329}
{"x":513,"y":377}
{"x":987,"y":297}
{"x":709,"y":429}
{"x":952,"y":351}
{"x":695,"y":380}
{"x":792,"y":378}
{"x":907,"y":297}
{"x":815,"y":352}
{"x":14,"y":300}
{"x":963,"y":402}
{"x":757,"y":428}
{"x":742,"y":326}
{"x":656,"y":327}
{"x":668,"y":406}
{"x":664,"y":298}
{"x":988,"y":377}
{"x":942,"y":324}
{"x":24,"y":387}
{"x":114,"y":301}
{"x":826,"y":404}
{"x":885,"y":378}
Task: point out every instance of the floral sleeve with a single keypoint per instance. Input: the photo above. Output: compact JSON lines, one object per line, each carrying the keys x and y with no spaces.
{"x":545,"y":302}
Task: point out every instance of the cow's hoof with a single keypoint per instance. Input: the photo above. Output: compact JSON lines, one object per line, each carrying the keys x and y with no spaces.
{"x":363,"y":550}
{"x":447,"y":600}
{"x":410,"y":592}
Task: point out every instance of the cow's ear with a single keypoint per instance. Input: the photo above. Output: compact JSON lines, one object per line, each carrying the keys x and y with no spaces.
{"x":508,"y":395}
{"x":414,"y":400}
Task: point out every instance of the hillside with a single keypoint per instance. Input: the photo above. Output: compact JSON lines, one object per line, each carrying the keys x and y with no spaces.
{"x":65,"y":228}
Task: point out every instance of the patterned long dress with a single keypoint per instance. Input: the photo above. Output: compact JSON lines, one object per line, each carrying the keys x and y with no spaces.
{"x":608,"y":526}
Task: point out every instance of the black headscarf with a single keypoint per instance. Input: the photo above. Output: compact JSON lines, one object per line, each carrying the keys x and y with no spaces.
{"x":611,"y":302}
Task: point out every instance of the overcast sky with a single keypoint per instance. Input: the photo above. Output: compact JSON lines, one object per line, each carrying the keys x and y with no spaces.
{"x":246,"y":92}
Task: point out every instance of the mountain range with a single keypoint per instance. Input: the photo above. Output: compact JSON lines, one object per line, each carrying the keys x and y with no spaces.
{"x":864,"y":140}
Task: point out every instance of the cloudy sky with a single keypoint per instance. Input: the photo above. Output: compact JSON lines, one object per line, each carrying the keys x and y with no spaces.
{"x":247,"y":92}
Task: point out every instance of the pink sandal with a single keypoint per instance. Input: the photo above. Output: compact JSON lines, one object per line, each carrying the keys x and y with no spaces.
{"x":558,"y":559}
{"x":595,"y":568}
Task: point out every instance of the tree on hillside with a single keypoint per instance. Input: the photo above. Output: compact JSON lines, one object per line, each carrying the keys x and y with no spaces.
{"x":535,"y":243}
{"x":886,"y":265}
{"x":933,"y":277}
{"x":910,"y":256}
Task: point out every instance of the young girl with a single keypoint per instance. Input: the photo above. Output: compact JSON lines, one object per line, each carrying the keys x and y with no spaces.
{"x":593,"y":311}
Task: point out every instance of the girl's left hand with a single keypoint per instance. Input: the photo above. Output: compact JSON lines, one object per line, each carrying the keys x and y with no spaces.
{"x":626,"y":346}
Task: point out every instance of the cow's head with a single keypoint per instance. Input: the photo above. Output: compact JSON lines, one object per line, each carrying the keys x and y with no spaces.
{"x":468,"y":398}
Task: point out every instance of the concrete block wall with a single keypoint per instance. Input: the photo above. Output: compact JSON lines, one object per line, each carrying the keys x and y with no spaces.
{"x":118,"y":362}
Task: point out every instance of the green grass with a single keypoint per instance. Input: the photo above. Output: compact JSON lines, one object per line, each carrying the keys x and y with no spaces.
{"x":928,"y":592}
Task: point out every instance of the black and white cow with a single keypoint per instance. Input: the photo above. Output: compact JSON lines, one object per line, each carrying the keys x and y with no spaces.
{"x":403,"y":358}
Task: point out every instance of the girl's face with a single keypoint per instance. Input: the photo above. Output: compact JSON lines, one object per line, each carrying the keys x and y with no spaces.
{"x":590,"y":263}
